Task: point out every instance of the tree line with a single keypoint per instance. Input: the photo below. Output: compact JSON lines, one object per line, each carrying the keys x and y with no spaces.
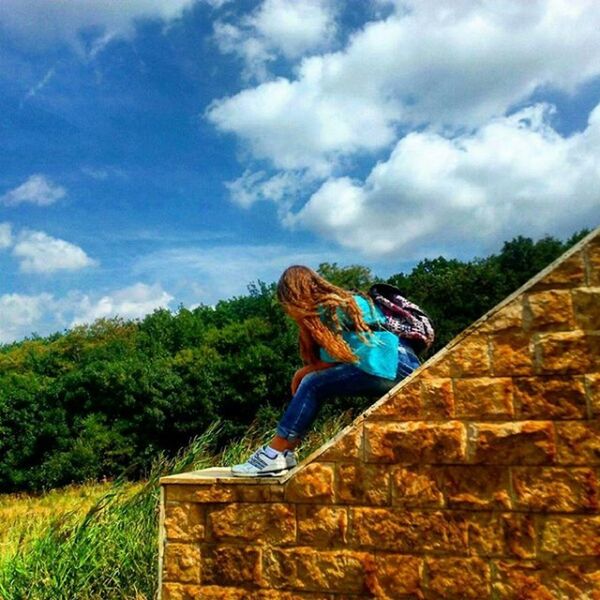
{"x":92,"y":401}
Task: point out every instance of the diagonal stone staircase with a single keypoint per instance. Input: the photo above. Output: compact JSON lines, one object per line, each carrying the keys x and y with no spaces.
{"x":475,"y":478}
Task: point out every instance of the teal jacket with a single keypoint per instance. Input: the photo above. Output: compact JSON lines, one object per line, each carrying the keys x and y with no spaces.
{"x":381,"y":356}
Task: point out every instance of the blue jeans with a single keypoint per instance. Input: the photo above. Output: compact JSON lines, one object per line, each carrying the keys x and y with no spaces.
{"x":342,"y":380}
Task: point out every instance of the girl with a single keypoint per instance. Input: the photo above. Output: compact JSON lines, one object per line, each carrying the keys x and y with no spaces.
{"x":346,"y":352}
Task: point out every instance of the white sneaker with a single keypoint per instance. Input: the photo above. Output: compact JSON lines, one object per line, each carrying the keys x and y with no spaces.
{"x":261,"y":465}
{"x":290,"y":458}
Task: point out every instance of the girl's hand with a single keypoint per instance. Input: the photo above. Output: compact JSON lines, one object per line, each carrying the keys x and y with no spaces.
{"x":300,"y":373}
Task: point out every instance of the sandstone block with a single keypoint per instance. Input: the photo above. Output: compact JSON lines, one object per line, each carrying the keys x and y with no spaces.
{"x":231,"y":565}
{"x":593,"y":263}
{"x":578,"y":442}
{"x":513,"y":443}
{"x":550,"y":397}
{"x":181,"y":591}
{"x":181,"y":562}
{"x":362,"y":483}
{"x":304,"y":568}
{"x":184,"y":521}
{"x":569,"y":273}
{"x":475,"y":487}
{"x":416,"y":487}
{"x":486,"y":534}
{"x":218,"y":492}
{"x":459,"y":578}
{"x":592,"y":384}
{"x":403,"y":404}
{"x":571,"y":536}
{"x":437,"y":398}
{"x":551,"y":309}
{"x":519,"y":534}
{"x":322,"y":525}
{"x":564,"y":352}
{"x":484,"y":398}
{"x":512,"y":354}
{"x":408,"y":531}
{"x":555,"y":489}
{"x":470,"y":357}
{"x":415,"y":442}
{"x":268,"y":523}
{"x":346,"y":448}
{"x":439,"y":367}
{"x":393,"y":575}
{"x":314,"y":483}
{"x":536,"y":580}
{"x":586,"y":303}
{"x":508,"y":317}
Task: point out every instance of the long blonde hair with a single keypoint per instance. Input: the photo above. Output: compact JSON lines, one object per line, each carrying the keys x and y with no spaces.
{"x":302,"y":292}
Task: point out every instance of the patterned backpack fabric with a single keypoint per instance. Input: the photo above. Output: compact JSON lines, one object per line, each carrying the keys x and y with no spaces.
{"x":402,"y":317}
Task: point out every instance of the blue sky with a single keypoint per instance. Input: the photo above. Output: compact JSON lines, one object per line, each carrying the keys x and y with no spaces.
{"x":157,"y":152}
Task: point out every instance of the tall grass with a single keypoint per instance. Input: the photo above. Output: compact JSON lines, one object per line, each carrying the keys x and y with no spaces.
{"x":111,"y":551}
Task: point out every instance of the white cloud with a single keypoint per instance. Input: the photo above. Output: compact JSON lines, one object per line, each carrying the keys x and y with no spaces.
{"x":5,"y":235}
{"x":277,"y":27}
{"x":514,"y":174}
{"x":281,"y":188}
{"x":224,"y":271}
{"x":40,"y":23}
{"x":447,"y":65}
{"x":36,"y":190}
{"x":20,"y":313}
{"x":40,"y":253}
{"x":130,"y":303}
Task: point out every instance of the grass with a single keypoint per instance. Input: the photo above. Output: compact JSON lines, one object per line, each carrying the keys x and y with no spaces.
{"x":99,"y":541}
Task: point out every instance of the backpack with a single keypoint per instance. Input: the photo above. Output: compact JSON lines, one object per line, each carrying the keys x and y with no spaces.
{"x":402,"y":317}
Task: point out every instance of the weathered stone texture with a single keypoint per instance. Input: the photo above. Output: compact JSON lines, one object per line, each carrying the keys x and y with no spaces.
{"x":273,"y":523}
{"x":415,"y":442}
{"x":512,"y":354}
{"x":571,"y":536}
{"x":322,"y":525}
{"x":459,"y":578}
{"x":550,"y":397}
{"x":305,"y":568}
{"x":565,"y":352}
{"x":555,"y":489}
{"x":408,"y":531}
{"x":578,"y":442}
{"x":470,"y":357}
{"x":479,"y":477}
{"x":313,"y":484}
{"x":232,"y":565}
{"x":363,"y":484}
{"x":184,"y":521}
{"x":182,"y":563}
{"x":437,"y":398}
{"x":416,"y":487}
{"x":484,"y":398}
{"x":552,"y":309}
{"x":514,"y":443}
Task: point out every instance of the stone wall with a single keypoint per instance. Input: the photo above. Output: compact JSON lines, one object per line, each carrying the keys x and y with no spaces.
{"x":476,"y":477}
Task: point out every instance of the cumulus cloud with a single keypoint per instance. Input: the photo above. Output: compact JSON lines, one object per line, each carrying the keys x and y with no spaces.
{"x":40,"y":253}
{"x":20,"y":314}
{"x":130,"y":303}
{"x":277,"y":27}
{"x":446,"y":65}
{"x":40,"y":23}
{"x":37,"y":189}
{"x":472,"y":191}
{"x":5,"y":235}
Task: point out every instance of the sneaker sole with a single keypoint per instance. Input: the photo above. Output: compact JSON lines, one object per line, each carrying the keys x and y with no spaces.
{"x":264,"y":474}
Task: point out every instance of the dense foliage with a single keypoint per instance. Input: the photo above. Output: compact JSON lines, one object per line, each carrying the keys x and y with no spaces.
{"x":96,"y":399}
